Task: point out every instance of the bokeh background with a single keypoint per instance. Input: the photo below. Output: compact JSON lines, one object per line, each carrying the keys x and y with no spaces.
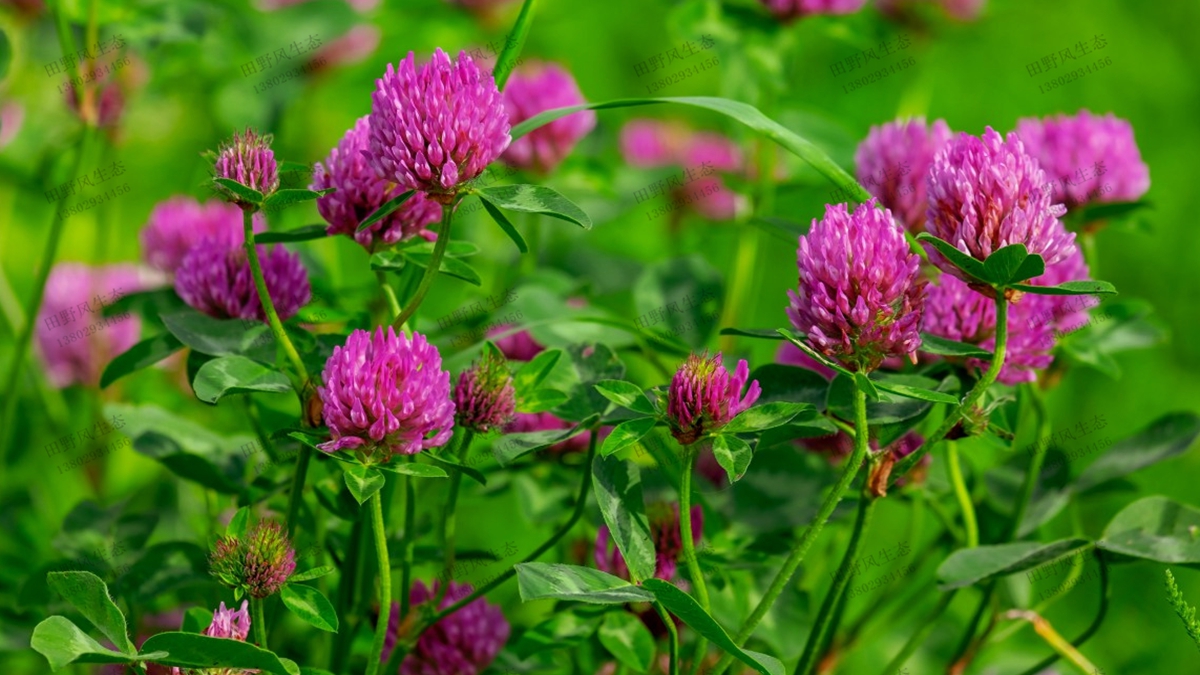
{"x":186,"y":90}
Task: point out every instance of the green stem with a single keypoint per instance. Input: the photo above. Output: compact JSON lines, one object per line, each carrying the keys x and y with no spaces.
{"x":918,"y":636}
{"x":695,"y":574}
{"x":297,"y":493}
{"x":435,"y":262}
{"x":265,"y":297}
{"x":1056,"y":641}
{"x":1101,"y":612}
{"x":458,"y":451}
{"x":672,"y":639}
{"x":821,"y":627}
{"x":784,"y":576}
{"x":410,"y":537}
{"x":385,"y":584}
{"x":259,"y":625}
{"x":964,"y":497}
{"x":389,"y":293}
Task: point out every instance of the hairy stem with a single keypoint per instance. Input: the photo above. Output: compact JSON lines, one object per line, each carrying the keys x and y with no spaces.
{"x":260,"y":284}
{"x":695,"y":574}
{"x":439,"y":250}
{"x":385,"y":584}
{"x":259,"y":625}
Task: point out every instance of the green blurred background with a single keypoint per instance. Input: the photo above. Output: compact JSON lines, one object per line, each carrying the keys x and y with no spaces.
{"x":973,"y":74}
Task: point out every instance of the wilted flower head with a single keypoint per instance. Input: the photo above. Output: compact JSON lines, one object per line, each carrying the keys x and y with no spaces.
{"x":667,"y":532}
{"x":179,"y":223}
{"x":987,"y":193}
{"x":249,"y":160}
{"x":227,"y":623}
{"x":794,"y":9}
{"x":1087,"y":158}
{"x":648,"y":143}
{"x":860,"y":294}
{"x":436,"y":127}
{"x":258,"y":563}
{"x":534,"y":89}
{"x":463,"y":643}
{"x":386,"y":393}
{"x":520,"y":346}
{"x":360,"y":192}
{"x":74,"y":300}
{"x":703,"y":397}
{"x":484,"y":397}
{"x":215,"y":278}
{"x":892,"y":163}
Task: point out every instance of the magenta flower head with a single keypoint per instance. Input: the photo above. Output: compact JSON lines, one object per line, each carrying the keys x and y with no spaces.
{"x":860,"y":295}
{"x":215,"y":278}
{"x":789,"y":10}
{"x":484,"y":397}
{"x":360,"y":192}
{"x":1087,"y":158}
{"x":703,"y":397}
{"x":987,"y":193}
{"x":520,"y":346}
{"x":534,"y":89}
{"x":463,"y":643}
{"x":892,"y":162}
{"x":436,"y":127}
{"x":229,"y":624}
{"x":179,"y":223}
{"x":258,"y":563}
{"x":249,"y":160}
{"x":73,"y":337}
{"x":386,"y":394}
{"x":648,"y":143}
{"x":667,"y":533}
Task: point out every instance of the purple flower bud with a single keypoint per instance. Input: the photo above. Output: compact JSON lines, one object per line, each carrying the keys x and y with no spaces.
{"x":892,"y":163}
{"x":360,"y":192}
{"x":1087,"y":158}
{"x":860,"y":294}
{"x":386,"y":393}
{"x":249,"y":160}
{"x":703,"y":397}
{"x":436,"y":127}
{"x":788,"y":10}
{"x":534,"y":89}
{"x":215,"y":278}
{"x":463,"y":643}
{"x":179,"y":223}
{"x":667,"y":532}
{"x":987,"y":193}
{"x":258,"y":563}
{"x":484,"y":398}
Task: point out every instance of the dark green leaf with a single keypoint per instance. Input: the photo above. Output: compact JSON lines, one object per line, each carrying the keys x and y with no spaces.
{"x":222,"y":337}
{"x":626,"y":434}
{"x":294,"y":167}
{"x":507,"y":59}
{"x":626,"y":395}
{"x":385,"y":210}
{"x":1001,"y":266}
{"x":1168,"y":436}
{"x":236,"y":375}
{"x":284,"y":198}
{"x":733,"y":454}
{"x":145,"y":353}
{"x":309,"y":604}
{"x":866,"y":386}
{"x":536,"y":199}
{"x":239,"y":523}
{"x":62,"y":642}
{"x":449,"y":266}
{"x":89,"y":594}
{"x":400,"y":466}
{"x":541,"y":400}
{"x":964,"y":262}
{"x":1108,"y":211}
{"x":196,"y":620}
{"x":514,"y":446}
{"x":5,"y":55}
{"x":531,"y":375}
{"x":757,"y":333}
{"x":188,"y":650}
{"x":814,"y":354}
{"x":972,"y":565}
{"x":781,"y":382}
{"x":242,"y":192}
{"x":767,"y":416}
{"x":1155,"y":528}
{"x":932,"y":344}
{"x":1031,"y":267}
{"x":679,"y":298}
{"x":683,"y":606}
{"x":788,"y":230}
{"x":306,"y":233}
{"x":571,"y":582}
{"x":627,"y":638}
{"x":309,"y":575}
{"x":363,"y":481}
{"x":449,"y":465}
{"x":1070,"y":288}
{"x":618,"y":486}
{"x":454,"y":249}
{"x":915,"y":392}
{"x":506,"y":225}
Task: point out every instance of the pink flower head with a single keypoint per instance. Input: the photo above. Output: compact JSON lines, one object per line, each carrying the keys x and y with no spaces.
{"x":72,"y":305}
{"x":258,"y":563}
{"x":464,"y":643}
{"x":788,"y":10}
{"x":386,"y":392}
{"x":215,"y":278}
{"x":484,"y":398}
{"x":647,"y":143}
{"x":1087,"y":158}
{"x":520,"y":346}
{"x":667,"y":532}
{"x":892,"y":163}
{"x":703,"y":397}
{"x":955,"y":311}
{"x":436,"y":127}
{"x":179,"y":223}
{"x":708,"y":155}
{"x":987,"y":193}
{"x":360,"y":192}
{"x":249,"y":160}
{"x":229,"y":624}
{"x":860,"y":294}
{"x":534,"y":89}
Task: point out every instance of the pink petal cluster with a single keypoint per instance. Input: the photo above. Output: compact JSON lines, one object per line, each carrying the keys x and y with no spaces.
{"x":249,"y":160}
{"x":464,"y":643}
{"x":860,"y":294}
{"x":386,"y":392}
{"x":215,"y":278}
{"x":536,"y":88}
{"x":436,"y":127}
{"x":484,"y":398}
{"x":647,"y":143}
{"x":794,"y":9}
{"x":667,"y":532}
{"x":987,"y":193}
{"x":1087,"y":158}
{"x":73,"y":338}
{"x":703,"y":397}
{"x":227,"y":623}
{"x":360,"y":192}
{"x":891,"y":163}
{"x":179,"y":223}
{"x":520,"y":346}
